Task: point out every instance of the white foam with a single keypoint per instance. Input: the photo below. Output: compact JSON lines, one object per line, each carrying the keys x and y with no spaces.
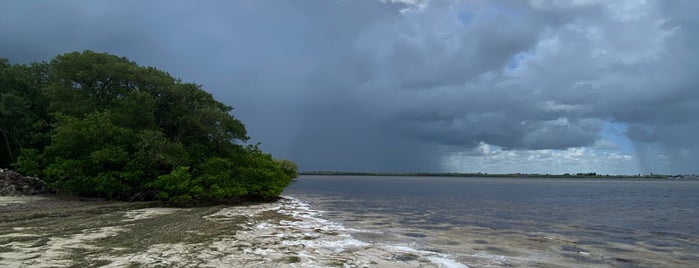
{"x":54,"y":252}
{"x":14,"y":235}
{"x":343,"y":241}
{"x":20,"y":199}
{"x":147,"y":213}
{"x":405,"y":249}
{"x":444,"y":262}
{"x":441,"y":260}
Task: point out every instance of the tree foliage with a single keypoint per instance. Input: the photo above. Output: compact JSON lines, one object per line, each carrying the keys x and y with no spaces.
{"x":22,"y":110}
{"x":94,"y":124}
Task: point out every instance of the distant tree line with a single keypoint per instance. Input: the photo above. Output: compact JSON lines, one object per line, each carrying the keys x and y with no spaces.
{"x":480,"y":174}
{"x":98,"y":125}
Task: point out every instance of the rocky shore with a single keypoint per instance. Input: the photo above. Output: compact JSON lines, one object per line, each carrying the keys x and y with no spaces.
{"x":13,"y":184}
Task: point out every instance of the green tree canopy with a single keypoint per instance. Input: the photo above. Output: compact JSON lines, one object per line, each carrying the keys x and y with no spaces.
{"x":22,"y":110}
{"x":94,"y":124}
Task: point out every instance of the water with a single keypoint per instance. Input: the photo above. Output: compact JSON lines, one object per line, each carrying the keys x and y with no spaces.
{"x":495,"y":222}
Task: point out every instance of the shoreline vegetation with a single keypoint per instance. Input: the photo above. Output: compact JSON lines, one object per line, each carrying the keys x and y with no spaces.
{"x":96,"y":125}
{"x":507,"y":175}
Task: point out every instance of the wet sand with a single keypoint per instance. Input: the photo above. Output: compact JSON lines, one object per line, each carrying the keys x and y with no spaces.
{"x":51,"y":232}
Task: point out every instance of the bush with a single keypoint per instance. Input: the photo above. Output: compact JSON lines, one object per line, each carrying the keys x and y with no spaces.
{"x":118,"y":130}
{"x":289,"y":168}
{"x":29,"y":163}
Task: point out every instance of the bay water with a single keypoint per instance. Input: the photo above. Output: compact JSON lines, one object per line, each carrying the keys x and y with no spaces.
{"x":515,"y":222}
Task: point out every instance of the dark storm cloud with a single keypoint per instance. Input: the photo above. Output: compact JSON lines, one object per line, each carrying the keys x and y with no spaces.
{"x":395,"y":86}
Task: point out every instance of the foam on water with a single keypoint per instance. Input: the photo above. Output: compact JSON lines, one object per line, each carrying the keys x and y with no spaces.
{"x":147,"y":213}
{"x":445,"y":262}
{"x":323,"y":236}
{"x":297,"y":236}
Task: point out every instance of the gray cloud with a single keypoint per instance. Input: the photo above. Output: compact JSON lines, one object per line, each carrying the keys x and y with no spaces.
{"x":385,"y":85}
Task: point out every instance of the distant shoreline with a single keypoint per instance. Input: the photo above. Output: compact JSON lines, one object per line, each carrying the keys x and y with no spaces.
{"x":511,"y":175}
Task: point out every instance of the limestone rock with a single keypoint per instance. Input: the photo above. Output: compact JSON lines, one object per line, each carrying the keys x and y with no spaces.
{"x":13,"y":183}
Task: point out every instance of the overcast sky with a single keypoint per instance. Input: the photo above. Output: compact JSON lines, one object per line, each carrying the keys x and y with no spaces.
{"x":539,"y":86}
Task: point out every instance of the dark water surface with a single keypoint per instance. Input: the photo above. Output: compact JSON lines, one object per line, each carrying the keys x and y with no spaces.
{"x":492,"y":222}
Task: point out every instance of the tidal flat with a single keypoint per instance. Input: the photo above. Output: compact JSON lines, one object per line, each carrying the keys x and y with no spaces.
{"x":371,"y":222}
{"x":40,"y":231}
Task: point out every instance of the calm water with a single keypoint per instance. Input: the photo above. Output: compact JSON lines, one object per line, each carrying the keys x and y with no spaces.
{"x":484,"y":222}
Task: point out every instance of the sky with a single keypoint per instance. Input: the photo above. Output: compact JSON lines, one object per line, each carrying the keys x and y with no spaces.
{"x":501,"y":86}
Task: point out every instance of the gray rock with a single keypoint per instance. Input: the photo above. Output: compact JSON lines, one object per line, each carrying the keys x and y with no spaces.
{"x":13,"y":183}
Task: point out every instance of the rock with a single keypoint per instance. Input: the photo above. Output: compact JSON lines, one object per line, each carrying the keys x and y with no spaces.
{"x":13,"y":183}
